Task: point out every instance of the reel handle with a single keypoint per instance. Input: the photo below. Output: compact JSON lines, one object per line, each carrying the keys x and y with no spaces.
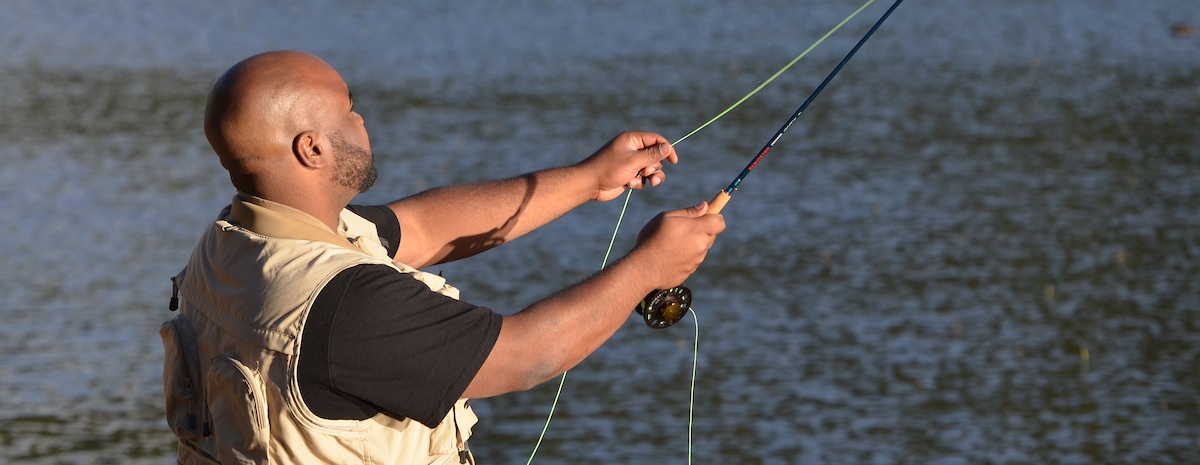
{"x":665,"y":307}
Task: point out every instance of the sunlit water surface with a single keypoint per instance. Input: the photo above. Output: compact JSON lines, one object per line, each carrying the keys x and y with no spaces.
{"x":981,"y":244}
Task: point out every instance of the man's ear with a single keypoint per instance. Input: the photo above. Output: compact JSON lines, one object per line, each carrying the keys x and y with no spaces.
{"x":311,"y":150}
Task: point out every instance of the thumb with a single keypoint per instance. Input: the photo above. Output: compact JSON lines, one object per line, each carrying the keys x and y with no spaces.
{"x":697,"y":211}
{"x":660,"y":151}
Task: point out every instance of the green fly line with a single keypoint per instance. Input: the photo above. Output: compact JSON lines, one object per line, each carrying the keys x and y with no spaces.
{"x":624,"y":208}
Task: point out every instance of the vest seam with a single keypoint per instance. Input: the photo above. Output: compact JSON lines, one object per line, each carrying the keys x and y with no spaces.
{"x":329,"y":341}
{"x":295,"y":398}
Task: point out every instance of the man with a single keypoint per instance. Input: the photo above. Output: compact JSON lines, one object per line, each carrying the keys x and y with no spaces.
{"x":307,"y":334}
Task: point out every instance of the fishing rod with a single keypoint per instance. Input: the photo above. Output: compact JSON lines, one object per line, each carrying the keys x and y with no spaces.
{"x":665,"y":307}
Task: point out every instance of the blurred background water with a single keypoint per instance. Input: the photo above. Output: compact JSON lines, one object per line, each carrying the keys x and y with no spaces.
{"x":979,"y":245}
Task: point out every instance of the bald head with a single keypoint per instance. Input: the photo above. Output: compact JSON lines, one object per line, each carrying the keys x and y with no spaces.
{"x":260,"y":105}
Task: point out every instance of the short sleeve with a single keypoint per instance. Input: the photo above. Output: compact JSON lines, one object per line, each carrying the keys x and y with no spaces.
{"x":377,"y":340}
{"x":387,"y":226}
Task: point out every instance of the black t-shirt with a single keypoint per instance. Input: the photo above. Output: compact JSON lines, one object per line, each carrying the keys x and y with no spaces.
{"x":377,"y":340}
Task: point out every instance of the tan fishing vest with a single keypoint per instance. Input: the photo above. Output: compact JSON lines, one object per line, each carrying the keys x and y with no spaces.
{"x":231,"y":353}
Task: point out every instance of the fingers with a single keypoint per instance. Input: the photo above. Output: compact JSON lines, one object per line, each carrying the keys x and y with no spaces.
{"x":666,"y":151}
{"x":633,"y":160}
{"x":652,"y":176}
{"x":656,"y":153}
{"x":654,"y":147}
{"x":653,"y":155}
{"x":710,"y":224}
{"x":656,"y":178}
{"x":696,"y":211}
{"x":639,"y":140}
{"x":676,"y":242}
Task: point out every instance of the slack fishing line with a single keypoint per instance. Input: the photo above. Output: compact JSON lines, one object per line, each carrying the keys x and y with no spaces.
{"x":663,"y":308}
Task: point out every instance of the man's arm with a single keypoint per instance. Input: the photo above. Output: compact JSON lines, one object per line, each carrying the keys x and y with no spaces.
{"x":554,"y":334}
{"x":454,"y":222}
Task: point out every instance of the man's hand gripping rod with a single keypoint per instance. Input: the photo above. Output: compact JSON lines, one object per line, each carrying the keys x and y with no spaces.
{"x":663,"y":308}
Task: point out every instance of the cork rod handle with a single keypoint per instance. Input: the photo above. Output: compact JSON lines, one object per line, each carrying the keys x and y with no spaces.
{"x":718,"y":203}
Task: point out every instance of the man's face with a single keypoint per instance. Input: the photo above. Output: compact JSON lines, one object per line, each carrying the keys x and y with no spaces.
{"x":355,"y":166}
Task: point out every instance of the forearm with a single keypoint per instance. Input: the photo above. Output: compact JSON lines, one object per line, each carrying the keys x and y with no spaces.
{"x":558,"y":332}
{"x":453,"y":222}
{"x":555,"y":334}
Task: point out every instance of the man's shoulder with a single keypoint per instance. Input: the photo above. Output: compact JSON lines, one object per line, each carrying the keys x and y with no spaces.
{"x":372,"y":283}
{"x":387,"y":226}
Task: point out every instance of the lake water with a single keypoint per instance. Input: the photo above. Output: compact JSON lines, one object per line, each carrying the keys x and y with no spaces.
{"x":981,"y":244}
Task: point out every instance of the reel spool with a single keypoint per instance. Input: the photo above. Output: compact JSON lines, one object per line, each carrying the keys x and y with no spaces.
{"x":666,"y":307}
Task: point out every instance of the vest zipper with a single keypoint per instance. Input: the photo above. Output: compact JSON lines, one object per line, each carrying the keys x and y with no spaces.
{"x":174,"y":305}
{"x":189,"y":394}
{"x":464,"y":451}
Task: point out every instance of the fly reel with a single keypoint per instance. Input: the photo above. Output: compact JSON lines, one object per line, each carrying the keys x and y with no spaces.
{"x":662,"y":308}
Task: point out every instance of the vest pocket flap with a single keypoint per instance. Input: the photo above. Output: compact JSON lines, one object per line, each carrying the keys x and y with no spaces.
{"x":464,"y":418}
{"x":236,"y":397}
{"x":181,"y":380}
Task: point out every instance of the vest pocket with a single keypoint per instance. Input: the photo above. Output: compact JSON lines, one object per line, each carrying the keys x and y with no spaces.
{"x":181,"y":381}
{"x":236,"y":396}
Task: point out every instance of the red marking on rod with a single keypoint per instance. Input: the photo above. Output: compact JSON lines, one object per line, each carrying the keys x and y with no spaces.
{"x":758,"y":159}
